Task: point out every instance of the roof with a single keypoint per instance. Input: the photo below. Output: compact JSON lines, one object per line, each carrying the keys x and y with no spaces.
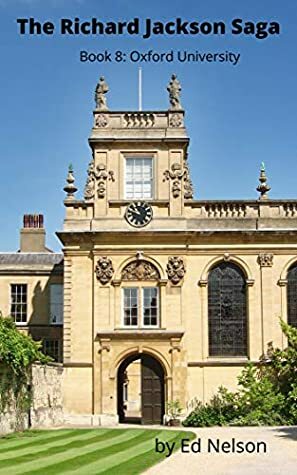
{"x":27,"y":262}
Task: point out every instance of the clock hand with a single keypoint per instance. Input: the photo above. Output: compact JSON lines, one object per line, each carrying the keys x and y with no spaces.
{"x":135,"y":212}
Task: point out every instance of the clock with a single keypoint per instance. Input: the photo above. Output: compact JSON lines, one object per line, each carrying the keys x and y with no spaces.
{"x":139,"y":214}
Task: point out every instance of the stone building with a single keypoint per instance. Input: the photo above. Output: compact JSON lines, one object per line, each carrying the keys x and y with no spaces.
{"x":165,"y":297}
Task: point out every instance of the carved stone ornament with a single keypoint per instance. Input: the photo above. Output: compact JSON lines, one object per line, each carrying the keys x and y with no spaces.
{"x":174,"y":89}
{"x":104,"y":270}
{"x":265,"y":260}
{"x":99,"y":175}
{"x":101,"y":120}
{"x":140,"y":270}
{"x":102,"y":176}
{"x":176,"y":120}
{"x":179,"y":174}
{"x":100,"y":91}
{"x":188,"y":185}
{"x":70,"y":187}
{"x":175,"y":269}
{"x":263,"y":188}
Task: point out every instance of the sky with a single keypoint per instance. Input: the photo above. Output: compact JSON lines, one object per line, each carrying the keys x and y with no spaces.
{"x":236,"y":116}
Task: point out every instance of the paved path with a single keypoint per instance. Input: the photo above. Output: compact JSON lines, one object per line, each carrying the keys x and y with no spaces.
{"x":280,"y":459}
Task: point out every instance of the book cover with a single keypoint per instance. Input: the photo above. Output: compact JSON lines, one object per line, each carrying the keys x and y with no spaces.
{"x":148,"y":244}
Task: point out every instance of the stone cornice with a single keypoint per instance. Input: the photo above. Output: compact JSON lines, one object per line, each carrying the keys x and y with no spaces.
{"x":31,"y":271}
{"x":221,"y":362}
{"x":149,"y":334}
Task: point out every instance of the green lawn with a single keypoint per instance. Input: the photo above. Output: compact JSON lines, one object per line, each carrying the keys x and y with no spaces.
{"x":84,"y":451}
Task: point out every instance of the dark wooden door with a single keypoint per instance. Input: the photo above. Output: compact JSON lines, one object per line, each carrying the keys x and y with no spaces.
{"x":152,"y":389}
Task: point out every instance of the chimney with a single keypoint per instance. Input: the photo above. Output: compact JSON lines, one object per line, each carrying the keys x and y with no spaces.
{"x":32,"y":236}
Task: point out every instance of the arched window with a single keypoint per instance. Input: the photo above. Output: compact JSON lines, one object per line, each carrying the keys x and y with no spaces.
{"x":227,"y":311}
{"x":292,"y":295}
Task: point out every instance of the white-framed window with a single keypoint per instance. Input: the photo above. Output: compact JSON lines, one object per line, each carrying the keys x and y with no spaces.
{"x":56,"y":304}
{"x":141,"y":307}
{"x":130,"y":307}
{"x":18,"y":303}
{"x":138,"y":178}
{"x":150,"y":306}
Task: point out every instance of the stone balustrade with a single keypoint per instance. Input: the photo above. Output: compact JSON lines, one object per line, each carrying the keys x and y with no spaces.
{"x":115,"y":122}
{"x":268,"y":213}
{"x":289,"y":210}
{"x":139,"y":119}
{"x":224,"y":210}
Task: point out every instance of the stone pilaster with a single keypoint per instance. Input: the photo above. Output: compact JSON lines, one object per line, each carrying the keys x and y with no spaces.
{"x":67,"y":308}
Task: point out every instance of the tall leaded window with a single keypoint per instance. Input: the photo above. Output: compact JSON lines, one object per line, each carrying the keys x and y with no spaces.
{"x":227,"y":311}
{"x":292,"y":296}
{"x":18,"y":303}
{"x":141,"y":306}
{"x":139,"y":178}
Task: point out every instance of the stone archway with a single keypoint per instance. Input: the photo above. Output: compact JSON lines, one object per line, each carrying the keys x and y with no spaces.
{"x":149,"y":408}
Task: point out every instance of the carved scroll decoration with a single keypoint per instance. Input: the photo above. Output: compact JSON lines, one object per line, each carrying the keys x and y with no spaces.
{"x":99,"y":175}
{"x":140,"y":270}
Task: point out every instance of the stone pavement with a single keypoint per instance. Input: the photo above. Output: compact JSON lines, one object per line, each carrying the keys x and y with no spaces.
{"x":280,"y":458}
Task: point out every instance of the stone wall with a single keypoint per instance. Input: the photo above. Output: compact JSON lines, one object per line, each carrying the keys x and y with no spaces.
{"x":46,"y":403}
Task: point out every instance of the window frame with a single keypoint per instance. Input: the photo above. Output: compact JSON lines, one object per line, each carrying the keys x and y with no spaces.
{"x":140,"y":306}
{"x":140,"y":157}
{"x":123,"y":307}
{"x":23,"y":323}
{"x":291,"y":306}
{"x":157,"y":307}
{"x":54,"y":341}
{"x":51,"y":322}
{"x":212,"y":353}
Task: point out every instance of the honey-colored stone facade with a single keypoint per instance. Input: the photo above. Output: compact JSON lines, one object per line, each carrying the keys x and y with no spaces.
{"x":258,"y":236}
{"x":174,"y":252}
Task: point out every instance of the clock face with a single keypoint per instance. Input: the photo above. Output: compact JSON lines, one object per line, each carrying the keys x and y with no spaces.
{"x":139,"y":214}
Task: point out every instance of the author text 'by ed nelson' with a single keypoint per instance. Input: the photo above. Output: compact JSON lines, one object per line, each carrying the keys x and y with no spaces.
{"x":215,"y":446}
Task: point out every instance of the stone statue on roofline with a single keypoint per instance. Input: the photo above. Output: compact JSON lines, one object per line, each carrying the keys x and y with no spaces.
{"x":100,"y":98}
{"x":174,"y":89}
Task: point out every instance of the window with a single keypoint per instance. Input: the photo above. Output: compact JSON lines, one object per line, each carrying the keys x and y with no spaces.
{"x":56,"y":304}
{"x":227,"y":314}
{"x":150,"y":306}
{"x":292,"y":296}
{"x":53,"y":348}
{"x":141,"y":307}
{"x":18,"y":303}
{"x":139,"y":178}
{"x":130,"y":307}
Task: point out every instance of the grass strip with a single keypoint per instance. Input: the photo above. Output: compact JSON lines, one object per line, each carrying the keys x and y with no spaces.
{"x":107,"y":464}
{"x":42,"y":464}
{"x":143,"y":461}
{"x":46,"y":444}
{"x":81,"y":460}
{"x":93,"y":438}
{"x":19,"y":443}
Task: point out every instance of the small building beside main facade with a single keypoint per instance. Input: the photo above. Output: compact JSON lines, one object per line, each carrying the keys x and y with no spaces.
{"x":164,"y":297}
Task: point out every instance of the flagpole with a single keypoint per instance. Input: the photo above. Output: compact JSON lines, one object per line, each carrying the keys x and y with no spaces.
{"x":140,"y":89}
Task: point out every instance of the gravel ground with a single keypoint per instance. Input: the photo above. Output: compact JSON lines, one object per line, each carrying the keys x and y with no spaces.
{"x":280,"y":457}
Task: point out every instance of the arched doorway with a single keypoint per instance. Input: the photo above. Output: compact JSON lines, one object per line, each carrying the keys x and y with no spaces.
{"x":141,"y":394}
